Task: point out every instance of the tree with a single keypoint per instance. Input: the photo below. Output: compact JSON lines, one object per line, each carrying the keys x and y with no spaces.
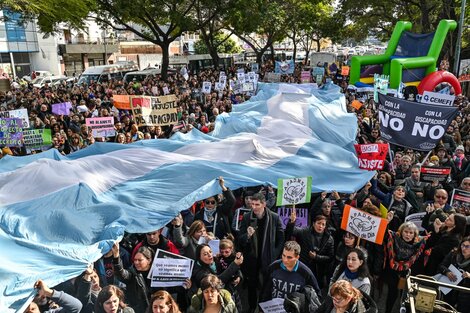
{"x":221,"y":41}
{"x":258,"y":23}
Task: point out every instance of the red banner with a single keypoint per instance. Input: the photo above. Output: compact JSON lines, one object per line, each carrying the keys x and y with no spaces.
{"x":371,"y":156}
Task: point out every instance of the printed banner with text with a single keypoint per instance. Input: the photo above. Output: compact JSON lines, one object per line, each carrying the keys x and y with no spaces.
{"x":461,"y":201}
{"x":154,"y":111}
{"x":302,"y":216}
{"x":371,"y":156}
{"x":430,"y":174}
{"x":413,"y":124}
{"x":37,"y":138}
{"x":101,"y":126}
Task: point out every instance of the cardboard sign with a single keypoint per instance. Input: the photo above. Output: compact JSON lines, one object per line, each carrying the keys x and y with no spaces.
{"x":345,"y":70}
{"x":11,"y":132}
{"x":364,"y":225}
{"x":294,"y":190}
{"x":305,"y":77}
{"x":431,"y":173}
{"x":122,"y":102}
{"x":371,"y":156}
{"x":20,"y":113}
{"x":241,"y":78}
{"x":302,"y":216}
{"x":101,"y":126}
{"x":37,"y":138}
{"x":206,"y":87}
{"x":154,"y":111}
{"x":62,"y":108}
{"x":356,"y":104}
{"x":460,"y":201}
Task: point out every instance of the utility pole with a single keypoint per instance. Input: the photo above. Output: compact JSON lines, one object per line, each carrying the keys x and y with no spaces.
{"x":459,"y":39}
{"x":105,"y":48}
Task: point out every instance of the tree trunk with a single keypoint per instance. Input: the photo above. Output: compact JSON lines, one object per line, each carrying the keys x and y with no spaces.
{"x":273,"y":59}
{"x":318,"y":44}
{"x":294,"y":53}
{"x":165,"y":59}
{"x":215,"y":56}
{"x":259,"y":57}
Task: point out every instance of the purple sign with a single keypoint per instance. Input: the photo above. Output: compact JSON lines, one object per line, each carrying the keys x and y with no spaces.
{"x":62,"y":108}
{"x":11,"y":132}
{"x":302,"y":216}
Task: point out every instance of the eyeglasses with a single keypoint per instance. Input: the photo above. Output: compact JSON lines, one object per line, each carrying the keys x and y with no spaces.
{"x":209,"y":201}
{"x":440,"y":197}
{"x":465,"y":246}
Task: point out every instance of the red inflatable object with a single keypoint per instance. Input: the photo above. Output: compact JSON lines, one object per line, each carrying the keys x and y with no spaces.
{"x":432,"y":80}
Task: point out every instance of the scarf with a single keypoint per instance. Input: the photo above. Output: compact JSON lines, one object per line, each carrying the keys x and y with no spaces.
{"x":350,"y":275}
{"x":209,"y":215}
{"x":402,"y":255}
{"x":461,"y":262}
{"x":212,"y":266}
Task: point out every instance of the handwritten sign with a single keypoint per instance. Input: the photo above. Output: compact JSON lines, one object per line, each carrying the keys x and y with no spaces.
{"x":20,"y":113}
{"x":364,"y":225}
{"x":275,"y":305}
{"x":36,"y":138}
{"x":302,"y":216}
{"x":101,"y":126}
{"x":371,"y":156}
{"x":11,"y":132}
{"x":154,"y":111}
{"x":294,"y":190}
{"x":62,"y":108}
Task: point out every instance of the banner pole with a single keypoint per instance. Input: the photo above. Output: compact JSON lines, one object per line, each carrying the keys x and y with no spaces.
{"x":391,"y":158}
{"x":425,"y":159}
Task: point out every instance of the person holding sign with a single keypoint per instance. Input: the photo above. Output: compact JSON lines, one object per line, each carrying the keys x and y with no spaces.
{"x":460,"y":259}
{"x":206,"y":264}
{"x":188,"y":242}
{"x":211,"y":298}
{"x":317,"y":245}
{"x":344,"y":298}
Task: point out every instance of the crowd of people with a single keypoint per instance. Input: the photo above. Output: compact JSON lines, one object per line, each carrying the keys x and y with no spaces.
{"x":317,"y":268}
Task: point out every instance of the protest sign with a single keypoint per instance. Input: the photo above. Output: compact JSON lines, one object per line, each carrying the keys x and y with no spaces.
{"x":364,"y":225}
{"x":166,"y":91}
{"x":305,"y":77}
{"x":272,"y":77}
{"x":460,"y":201}
{"x":255,"y":67}
{"x":318,"y":79}
{"x":37,"y":138}
{"x":444,"y":279}
{"x":284,"y":67}
{"x":302,"y":216}
{"x":294,"y":190}
{"x":380,"y":85}
{"x":251,"y":77}
{"x":239,"y":217}
{"x":275,"y":305}
{"x":412,"y":124}
{"x":345,"y":70}
{"x":20,"y":113}
{"x":62,"y":108}
{"x":241,"y":79}
{"x":101,"y":126}
{"x":430,"y":174}
{"x":223,"y":80}
{"x":155,"y":91}
{"x":219,"y":86}
{"x":206,"y":87}
{"x":11,"y":132}
{"x":417,"y":219}
{"x":437,"y":98}
{"x":122,"y":102}
{"x":318,"y":71}
{"x":356,"y":104}
{"x":154,"y":111}
{"x":214,"y":244}
{"x":248,"y":87}
{"x":371,"y":156}
{"x":82,"y":108}
{"x":240,"y":70}
{"x":169,"y":269}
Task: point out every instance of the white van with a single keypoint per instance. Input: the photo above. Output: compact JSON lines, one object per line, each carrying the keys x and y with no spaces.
{"x":104,"y":73}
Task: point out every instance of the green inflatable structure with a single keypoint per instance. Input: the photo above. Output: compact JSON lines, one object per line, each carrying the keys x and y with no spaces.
{"x":415,"y":54}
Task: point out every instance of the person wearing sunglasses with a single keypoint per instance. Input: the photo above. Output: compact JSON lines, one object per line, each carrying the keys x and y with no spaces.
{"x":460,"y":259}
{"x":215,"y":213}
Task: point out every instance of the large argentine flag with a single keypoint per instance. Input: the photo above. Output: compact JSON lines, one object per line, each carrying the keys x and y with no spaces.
{"x":57,"y":214}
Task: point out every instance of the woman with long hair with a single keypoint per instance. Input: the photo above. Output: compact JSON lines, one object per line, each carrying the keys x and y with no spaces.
{"x":354,"y":269}
{"x":162,"y":302}
{"x":111,"y":300}
{"x":211,"y":298}
{"x":188,"y":242}
{"x":346,"y":298}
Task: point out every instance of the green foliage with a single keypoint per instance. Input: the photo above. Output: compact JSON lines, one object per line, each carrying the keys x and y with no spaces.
{"x":221,"y":42}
